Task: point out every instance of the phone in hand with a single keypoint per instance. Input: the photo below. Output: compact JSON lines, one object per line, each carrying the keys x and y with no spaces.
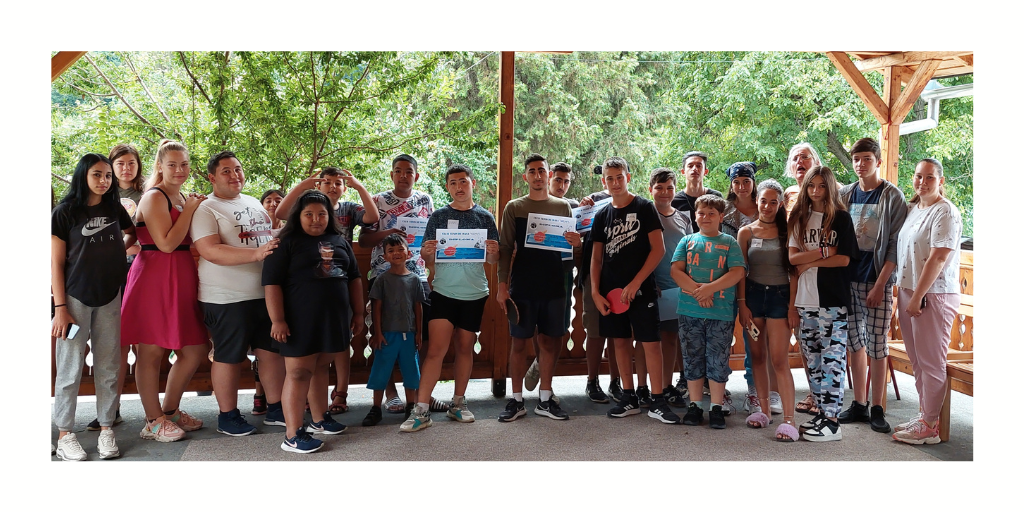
{"x":72,"y":331}
{"x":924,"y":302}
{"x":753,"y":331}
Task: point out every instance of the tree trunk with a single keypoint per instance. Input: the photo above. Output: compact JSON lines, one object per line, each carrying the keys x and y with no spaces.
{"x":836,"y":148}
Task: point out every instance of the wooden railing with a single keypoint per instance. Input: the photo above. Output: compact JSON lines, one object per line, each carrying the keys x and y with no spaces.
{"x":491,"y":360}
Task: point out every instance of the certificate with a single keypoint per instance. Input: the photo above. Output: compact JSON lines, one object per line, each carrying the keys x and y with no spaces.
{"x":547,"y":232}
{"x":584,"y":215}
{"x":413,"y":227}
{"x":461,"y":246}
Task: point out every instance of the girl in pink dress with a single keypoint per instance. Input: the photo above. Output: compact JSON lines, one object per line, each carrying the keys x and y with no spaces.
{"x":161,"y":308}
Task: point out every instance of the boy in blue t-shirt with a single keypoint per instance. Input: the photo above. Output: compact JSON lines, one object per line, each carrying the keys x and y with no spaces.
{"x":707,"y":266}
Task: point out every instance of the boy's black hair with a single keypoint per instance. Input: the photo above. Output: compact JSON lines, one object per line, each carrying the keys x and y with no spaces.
{"x":534,"y":157}
{"x":393,"y":240}
{"x":662,"y":175}
{"x":211,"y":166}
{"x":405,"y":158}
{"x":701,"y":154}
{"x":562,"y":167}
{"x":457,"y":168}
{"x":334,"y":171}
{"x":865,"y":145}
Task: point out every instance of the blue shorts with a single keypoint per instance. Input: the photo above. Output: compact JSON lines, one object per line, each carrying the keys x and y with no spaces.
{"x":397,"y":346}
{"x":765,"y":301}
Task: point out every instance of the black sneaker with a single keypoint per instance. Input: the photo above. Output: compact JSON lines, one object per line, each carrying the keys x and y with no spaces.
{"x":551,"y":409}
{"x":694,"y":414}
{"x":615,"y":389}
{"x":825,"y":430}
{"x":813,"y":422}
{"x":674,"y":397}
{"x":373,"y":417}
{"x":275,"y":415}
{"x":513,"y":411}
{"x":627,"y":406}
{"x":94,"y":425}
{"x":660,"y":411}
{"x":878,"y":423}
{"x":595,"y":393}
{"x":716,"y":418}
{"x":856,"y":412}
{"x":233,"y":424}
{"x":643,"y":394}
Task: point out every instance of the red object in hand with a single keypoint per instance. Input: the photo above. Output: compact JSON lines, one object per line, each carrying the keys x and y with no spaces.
{"x":539,"y":237}
{"x":614,"y":298}
{"x":449,"y":251}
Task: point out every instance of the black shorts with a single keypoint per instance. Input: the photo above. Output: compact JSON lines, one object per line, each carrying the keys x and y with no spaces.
{"x":463,"y":314}
{"x":237,"y":327}
{"x":640,"y":322}
{"x":546,"y":316}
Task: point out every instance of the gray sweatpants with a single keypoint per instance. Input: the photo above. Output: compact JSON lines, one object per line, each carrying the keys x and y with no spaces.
{"x":102,"y":328}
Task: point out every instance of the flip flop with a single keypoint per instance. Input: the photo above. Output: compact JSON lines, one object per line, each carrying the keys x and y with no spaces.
{"x":615,"y":301}
{"x":395,"y":405}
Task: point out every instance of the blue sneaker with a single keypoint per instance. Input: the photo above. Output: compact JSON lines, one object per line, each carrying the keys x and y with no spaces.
{"x":327,"y":426}
{"x":301,"y":443}
{"x":233,"y":424}
{"x":275,"y":415}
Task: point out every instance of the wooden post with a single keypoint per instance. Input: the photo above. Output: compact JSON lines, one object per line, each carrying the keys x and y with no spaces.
{"x":61,"y":62}
{"x":506,"y":91}
{"x":890,"y":138}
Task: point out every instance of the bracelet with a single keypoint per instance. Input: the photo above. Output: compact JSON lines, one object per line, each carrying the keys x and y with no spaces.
{"x":744,"y":300}
{"x":61,"y":306}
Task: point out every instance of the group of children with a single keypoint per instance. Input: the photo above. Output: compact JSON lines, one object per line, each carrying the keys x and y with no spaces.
{"x":648,"y":274}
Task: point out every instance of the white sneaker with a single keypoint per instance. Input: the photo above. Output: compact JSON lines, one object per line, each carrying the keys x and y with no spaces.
{"x":532,"y":376}
{"x":68,"y":448}
{"x":775,"y":403}
{"x":107,"y":445}
{"x":459,"y":410}
{"x":750,"y":403}
{"x":727,"y":406}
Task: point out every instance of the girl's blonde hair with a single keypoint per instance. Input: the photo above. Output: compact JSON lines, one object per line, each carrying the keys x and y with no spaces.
{"x":165,"y":145}
{"x":802,"y":209}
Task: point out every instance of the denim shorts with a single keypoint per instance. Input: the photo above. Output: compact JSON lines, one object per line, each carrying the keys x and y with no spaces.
{"x":765,"y":301}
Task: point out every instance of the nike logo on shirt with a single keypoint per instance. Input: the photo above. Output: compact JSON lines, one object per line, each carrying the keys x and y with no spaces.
{"x":95,"y":225}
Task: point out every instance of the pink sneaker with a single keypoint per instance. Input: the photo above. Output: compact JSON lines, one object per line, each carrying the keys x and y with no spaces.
{"x":919,"y":433}
{"x":186,"y":422}
{"x":164,"y":431}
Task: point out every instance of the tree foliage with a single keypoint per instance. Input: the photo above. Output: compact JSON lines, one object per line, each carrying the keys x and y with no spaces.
{"x":287,"y":114}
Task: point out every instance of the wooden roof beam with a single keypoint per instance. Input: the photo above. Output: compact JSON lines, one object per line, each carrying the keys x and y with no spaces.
{"x":860,"y":85}
{"x":912,"y":91}
{"x":61,"y":62}
{"x":905,"y":59}
{"x":967,"y":60}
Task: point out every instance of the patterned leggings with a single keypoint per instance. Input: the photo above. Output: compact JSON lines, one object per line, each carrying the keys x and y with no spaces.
{"x":823,"y":341}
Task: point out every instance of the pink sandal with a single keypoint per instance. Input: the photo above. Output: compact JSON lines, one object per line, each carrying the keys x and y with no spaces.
{"x":789,"y":431}
{"x":758,"y":420}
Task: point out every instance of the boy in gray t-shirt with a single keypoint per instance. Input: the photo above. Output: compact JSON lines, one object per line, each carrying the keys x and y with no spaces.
{"x":397,"y":298}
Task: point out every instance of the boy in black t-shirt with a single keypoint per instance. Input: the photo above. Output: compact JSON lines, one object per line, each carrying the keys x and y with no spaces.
{"x":628,"y":246}
{"x":695,"y":167}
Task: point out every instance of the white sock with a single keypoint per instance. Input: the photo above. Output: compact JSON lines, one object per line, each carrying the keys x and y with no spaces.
{"x":423,"y":406}
{"x":545,"y":395}
{"x":518,"y":396}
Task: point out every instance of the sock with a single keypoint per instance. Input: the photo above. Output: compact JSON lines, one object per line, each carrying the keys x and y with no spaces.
{"x":276,"y":406}
{"x":518,"y":396}
{"x":423,"y":406}
{"x":545,"y":395}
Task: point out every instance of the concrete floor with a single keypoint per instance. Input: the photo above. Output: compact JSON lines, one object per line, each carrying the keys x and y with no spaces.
{"x":588,"y":435}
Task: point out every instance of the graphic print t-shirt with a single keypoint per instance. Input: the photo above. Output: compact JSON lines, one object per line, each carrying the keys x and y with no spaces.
{"x":349,"y":215}
{"x":130,"y":200}
{"x":866,"y":224}
{"x":240,"y":222}
{"x":95,"y":265}
{"x":460,"y":280}
{"x":391,"y":207}
{"x":624,"y":233}
{"x":707,"y":259}
{"x":826,"y":287}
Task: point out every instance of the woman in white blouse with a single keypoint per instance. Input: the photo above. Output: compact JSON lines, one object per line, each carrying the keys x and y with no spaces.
{"x":929,"y":294}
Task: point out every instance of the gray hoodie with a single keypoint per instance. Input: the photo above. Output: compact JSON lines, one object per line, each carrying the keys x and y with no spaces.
{"x":892,"y":206}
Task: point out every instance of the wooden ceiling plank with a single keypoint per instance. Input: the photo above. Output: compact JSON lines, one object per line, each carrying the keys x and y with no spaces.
{"x":860,"y":85}
{"x":967,"y":60}
{"x":60,"y":62}
{"x":905,"y":58}
{"x":962,"y":70}
{"x":912,"y":91}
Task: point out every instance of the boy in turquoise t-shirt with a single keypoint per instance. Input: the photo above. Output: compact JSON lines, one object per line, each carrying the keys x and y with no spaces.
{"x":706,"y":266}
